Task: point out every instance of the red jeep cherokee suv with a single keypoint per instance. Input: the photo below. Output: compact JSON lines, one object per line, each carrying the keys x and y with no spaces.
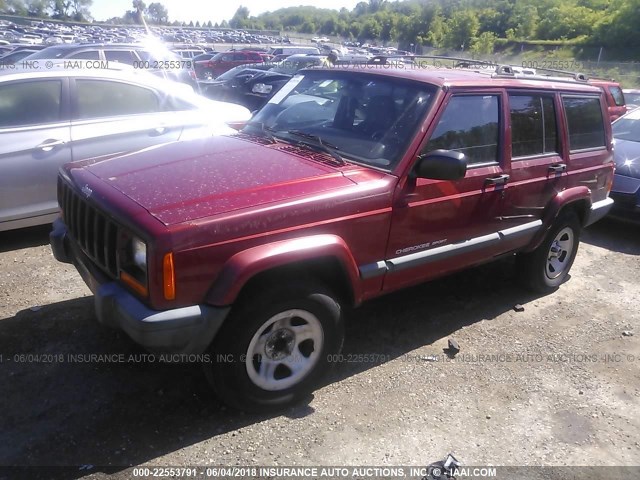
{"x":347,"y":185}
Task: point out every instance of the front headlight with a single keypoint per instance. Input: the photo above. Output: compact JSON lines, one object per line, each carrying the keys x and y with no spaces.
{"x":262,"y":88}
{"x":139,"y":253}
{"x":132,"y":259}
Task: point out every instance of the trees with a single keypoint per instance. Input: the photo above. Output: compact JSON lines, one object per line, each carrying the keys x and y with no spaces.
{"x":158,"y":13}
{"x":80,"y":10}
{"x":138,"y":10}
{"x":37,"y":8}
{"x":461,"y":29}
{"x":240,"y":19}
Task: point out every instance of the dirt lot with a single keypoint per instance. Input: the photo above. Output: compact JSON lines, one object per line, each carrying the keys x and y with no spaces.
{"x":555,"y":384}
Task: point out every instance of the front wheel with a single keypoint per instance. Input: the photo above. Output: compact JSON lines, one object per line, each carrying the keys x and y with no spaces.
{"x":547,"y":267}
{"x":275,"y":346}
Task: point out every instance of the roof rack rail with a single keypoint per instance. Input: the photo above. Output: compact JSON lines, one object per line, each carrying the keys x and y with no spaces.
{"x":457,"y":62}
{"x":533,"y":74}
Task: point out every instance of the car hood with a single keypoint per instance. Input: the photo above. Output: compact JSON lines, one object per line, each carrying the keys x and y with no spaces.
{"x":627,"y":158}
{"x":184,"y":181}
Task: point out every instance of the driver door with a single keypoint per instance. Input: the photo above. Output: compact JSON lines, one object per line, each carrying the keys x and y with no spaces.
{"x":439,"y":225}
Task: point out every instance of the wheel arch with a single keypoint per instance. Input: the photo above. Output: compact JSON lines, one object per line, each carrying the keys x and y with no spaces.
{"x":321,"y":257}
{"x":576,"y":199}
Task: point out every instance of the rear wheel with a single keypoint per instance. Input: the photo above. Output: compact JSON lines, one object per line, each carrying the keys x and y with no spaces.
{"x":280,"y":341}
{"x":547,"y":267}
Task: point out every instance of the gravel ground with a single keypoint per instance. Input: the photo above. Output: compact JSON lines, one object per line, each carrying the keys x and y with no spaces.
{"x":555,"y":384}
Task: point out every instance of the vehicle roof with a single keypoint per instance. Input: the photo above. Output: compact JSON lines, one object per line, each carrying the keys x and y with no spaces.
{"x":452,"y":77}
{"x":61,"y":68}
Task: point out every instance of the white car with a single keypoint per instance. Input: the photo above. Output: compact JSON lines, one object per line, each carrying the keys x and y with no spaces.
{"x":66,"y":111}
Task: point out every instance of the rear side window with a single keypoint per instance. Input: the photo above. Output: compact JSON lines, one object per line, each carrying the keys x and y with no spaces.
{"x":618,"y":96}
{"x":100,"y":98}
{"x":469,"y":125}
{"x":585,"y":122}
{"x":120,"y":56}
{"x":86,"y":55}
{"x":30,"y":103}
{"x":533,"y":125}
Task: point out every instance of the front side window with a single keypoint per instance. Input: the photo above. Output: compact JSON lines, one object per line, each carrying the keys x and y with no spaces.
{"x":533,"y":125}
{"x":30,"y":103}
{"x":364,"y":118}
{"x":101,"y":98}
{"x":585,"y":122}
{"x":469,"y":125}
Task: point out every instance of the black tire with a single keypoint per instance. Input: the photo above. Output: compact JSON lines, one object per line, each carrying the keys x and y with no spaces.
{"x":248,"y":383}
{"x":544,"y":270}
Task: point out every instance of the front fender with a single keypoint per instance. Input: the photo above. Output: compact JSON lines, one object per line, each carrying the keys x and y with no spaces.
{"x":243,"y":266}
{"x":578,"y":198}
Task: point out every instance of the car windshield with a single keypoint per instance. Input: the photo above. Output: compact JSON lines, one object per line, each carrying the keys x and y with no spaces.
{"x":365,"y":118}
{"x":628,"y":127}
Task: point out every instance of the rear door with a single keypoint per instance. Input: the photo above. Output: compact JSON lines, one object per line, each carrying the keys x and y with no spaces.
{"x":111,"y":116}
{"x":538,"y":159}
{"x":34,"y":143}
{"x":440,"y":226}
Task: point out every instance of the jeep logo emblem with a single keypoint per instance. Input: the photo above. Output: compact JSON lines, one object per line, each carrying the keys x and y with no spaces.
{"x":87,"y":191}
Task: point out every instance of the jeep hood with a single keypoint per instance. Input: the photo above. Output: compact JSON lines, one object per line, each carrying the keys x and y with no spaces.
{"x":184,"y":181}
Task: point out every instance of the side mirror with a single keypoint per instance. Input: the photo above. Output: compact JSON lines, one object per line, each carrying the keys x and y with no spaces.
{"x":441,"y":165}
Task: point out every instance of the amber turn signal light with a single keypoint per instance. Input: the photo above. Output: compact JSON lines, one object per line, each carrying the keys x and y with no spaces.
{"x":169,"y":278}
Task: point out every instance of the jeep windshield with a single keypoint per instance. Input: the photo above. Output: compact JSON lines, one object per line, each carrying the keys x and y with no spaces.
{"x":367,"y":119}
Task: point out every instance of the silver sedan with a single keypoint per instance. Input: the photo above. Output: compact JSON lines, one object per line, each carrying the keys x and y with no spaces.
{"x":56,"y":112}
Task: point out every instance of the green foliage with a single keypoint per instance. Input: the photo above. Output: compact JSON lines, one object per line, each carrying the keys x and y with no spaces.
{"x":484,"y":44}
{"x":462,"y":28}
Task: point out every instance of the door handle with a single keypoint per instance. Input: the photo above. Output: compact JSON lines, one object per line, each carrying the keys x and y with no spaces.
{"x":49,"y":145}
{"x":558,"y":168}
{"x":499,"y":180}
{"x":159,"y":131}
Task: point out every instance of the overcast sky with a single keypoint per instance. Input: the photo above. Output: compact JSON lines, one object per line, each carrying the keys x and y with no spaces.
{"x":205,"y":10}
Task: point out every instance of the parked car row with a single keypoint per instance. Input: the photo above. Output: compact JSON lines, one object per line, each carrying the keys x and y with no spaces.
{"x":52,"y":33}
{"x":252,"y":85}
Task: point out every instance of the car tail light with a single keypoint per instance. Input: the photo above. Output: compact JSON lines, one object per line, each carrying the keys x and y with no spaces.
{"x":192,"y":74}
{"x":168,"y":277}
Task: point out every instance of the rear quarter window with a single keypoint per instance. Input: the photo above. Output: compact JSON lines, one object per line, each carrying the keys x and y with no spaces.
{"x":584,"y":121}
{"x":618,"y":96}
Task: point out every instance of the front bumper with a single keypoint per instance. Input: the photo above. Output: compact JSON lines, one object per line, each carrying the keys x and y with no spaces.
{"x":598,"y":210}
{"x":187,"y":330}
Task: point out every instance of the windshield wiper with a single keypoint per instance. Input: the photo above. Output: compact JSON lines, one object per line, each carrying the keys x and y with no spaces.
{"x":320,"y":144}
{"x":266,"y":131}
